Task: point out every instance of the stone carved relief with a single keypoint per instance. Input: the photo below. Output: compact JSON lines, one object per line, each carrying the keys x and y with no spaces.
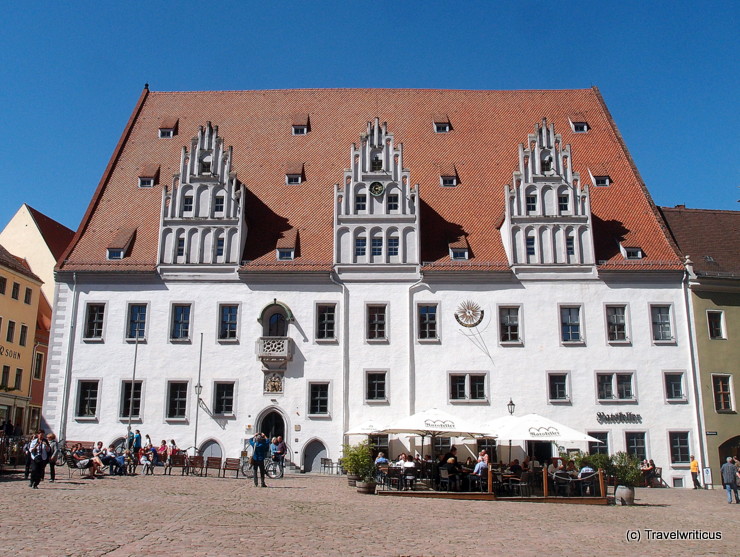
{"x":274,"y":383}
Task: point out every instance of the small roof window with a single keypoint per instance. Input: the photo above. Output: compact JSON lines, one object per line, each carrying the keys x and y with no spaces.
{"x":602,"y":181}
{"x":580,"y":127}
{"x":459,"y":248}
{"x":442,"y":123}
{"x":448,"y":181}
{"x":294,"y":173}
{"x":168,"y":128}
{"x":285,"y":254}
{"x":300,"y":124}
{"x":148,"y":175}
{"x":120,"y":243}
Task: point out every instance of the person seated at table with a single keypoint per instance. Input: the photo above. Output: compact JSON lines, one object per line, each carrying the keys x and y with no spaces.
{"x":481,"y":467}
{"x":401,"y":459}
{"x":515,"y":468}
{"x":408,"y":475}
{"x":586,"y":470}
{"x":483,"y":456}
{"x":99,"y":451}
{"x":571,"y":469}
{"x":381,"y":460}
{"x":649,"y":473}
{"x":162,"y":451}
{"x":553,"y":467}
{"x":454,"y":472}
{"x":146,"y":463}
{"x":83,"y":462}
{"x":469,"y":462}
{"x":116,"y":462}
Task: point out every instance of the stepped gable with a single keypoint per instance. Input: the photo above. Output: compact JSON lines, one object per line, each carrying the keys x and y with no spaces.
{"x":486,"y":128}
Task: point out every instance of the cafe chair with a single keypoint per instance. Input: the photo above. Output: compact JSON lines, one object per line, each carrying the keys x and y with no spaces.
{"x":393,"y":478}
{"x":408,"y":478}
{"x":520,"y":485}
{"x":561,"y":483}
{"x":444,"y":479}
{"x":587,"y":484}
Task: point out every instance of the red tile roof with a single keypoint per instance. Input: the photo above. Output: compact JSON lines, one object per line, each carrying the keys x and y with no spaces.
{"x":17,"y":264}
{"x":56,"y":235}
{"x":710,"y":238}
{"x":483,"y":146}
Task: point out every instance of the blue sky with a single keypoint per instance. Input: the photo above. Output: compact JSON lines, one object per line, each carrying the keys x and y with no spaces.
{"x":70,"y":74}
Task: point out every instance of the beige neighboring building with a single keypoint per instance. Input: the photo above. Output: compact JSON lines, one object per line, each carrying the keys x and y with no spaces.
{"x":36,"y":242}
{"x":40,"y":240}
{"x":20,"y":292}
{"x":711,"y":241}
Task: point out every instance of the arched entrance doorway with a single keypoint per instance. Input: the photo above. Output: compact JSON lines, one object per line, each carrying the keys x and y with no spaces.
{"x":312,"y":455}
{"x":731,"y":447}
{"x":210,"y":448}
{"x":273,"y":425}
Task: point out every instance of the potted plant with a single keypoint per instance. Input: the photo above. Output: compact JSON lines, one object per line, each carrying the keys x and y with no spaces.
{"x":358,"y":461}
{"x":626,"y":471}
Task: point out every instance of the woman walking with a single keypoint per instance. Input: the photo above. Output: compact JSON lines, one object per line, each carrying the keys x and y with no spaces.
{"x":55,"y":452}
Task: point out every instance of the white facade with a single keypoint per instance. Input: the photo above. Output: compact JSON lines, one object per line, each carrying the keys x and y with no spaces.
{"x":553,"y":355}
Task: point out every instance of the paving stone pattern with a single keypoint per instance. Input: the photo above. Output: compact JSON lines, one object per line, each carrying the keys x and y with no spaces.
{"x":320,"y":515}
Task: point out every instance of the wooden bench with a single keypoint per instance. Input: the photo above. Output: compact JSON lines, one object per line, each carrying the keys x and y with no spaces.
{"x":196,"y":464}
{"x":177,"y":461}
{"x":231,"y":464}
{"x":213,"y":463}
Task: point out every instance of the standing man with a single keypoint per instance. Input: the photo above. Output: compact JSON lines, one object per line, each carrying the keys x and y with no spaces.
{"x":260,"y":446}
{"x":695,"y":472}
{"x":729,"y":479}
{"x":40,"y":450}
{"x":282,"y":450}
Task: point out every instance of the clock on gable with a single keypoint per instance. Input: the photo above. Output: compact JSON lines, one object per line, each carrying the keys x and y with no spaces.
{"x":376,"y":189}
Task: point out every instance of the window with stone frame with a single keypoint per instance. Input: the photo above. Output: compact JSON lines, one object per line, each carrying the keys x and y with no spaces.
{"x":722,"y":388}
{"x":360,"y":203}
{"x":376,"y":388}
{"x":427,"y":321}
{"x":557,"y":383}
{"x":23,"y":336}
{"x":661,"y":323}
{"x":94,"y":320}
{"x":229,"y":319}
{"x":130,"y":399}
{"x":509,"y":324}
{"x":599,"y":448}
{"x":177,"y":400}
{"x":393,"y":202}
{"x":674,"y":389}
{"x":180,"y":322}
{"x":468,"y":387}
{"x":27,"y":296}
{"x":393,"y":243}
{"x":635,"y":444}
{"x":15,"y":292}
{"x":136,"y":321}
{"x":326,"y":321}
{"x":223,"y":398}
{"x":10,"y":333}
{"x":318,"y":404}
{"x":376,"y":247}
{"x":376,"y":322}
{"x":38,"y":366}
{"x":679,"y":443}
{"x":615,"y":386}
{"x":87,"y":399}
{"x":714,"y":324}
{"x":360,"y":246}
{"x":616,"y":323}
{"x":570,"y":324}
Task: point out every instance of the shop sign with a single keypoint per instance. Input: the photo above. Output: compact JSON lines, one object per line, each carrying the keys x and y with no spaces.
{"x":618,"y":418}
{"x":7,"y":353}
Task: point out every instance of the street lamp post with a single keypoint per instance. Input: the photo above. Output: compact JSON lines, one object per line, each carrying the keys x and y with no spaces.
{"x":510,"y":407}
{"x":198,"y":391}
{"x":129,"y":438}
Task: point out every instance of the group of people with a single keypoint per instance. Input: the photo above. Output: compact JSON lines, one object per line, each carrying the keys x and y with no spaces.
{"x":9,"y":430}
{"x":40,"y":451}
{"x":276,"y":448}
{"x":147,"y":454}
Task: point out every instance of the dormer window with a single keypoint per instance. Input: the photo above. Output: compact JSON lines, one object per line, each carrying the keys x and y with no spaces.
{"x":292,"y":179}
{"x":285,"y":254}
{"x":602,"y":181}
{"x":120,"y":243}
{"x":458,"y":254}
{"x":300,"y":130}
{"x":115,"y":253}
{"x":633,"y":253}
{"x":146,"y":182}
{"x":168,"y":128}
{"x":300,"y":124}
{"x":580,"y":127}
{"x":448,"y":181}
{"x":294,"y":173}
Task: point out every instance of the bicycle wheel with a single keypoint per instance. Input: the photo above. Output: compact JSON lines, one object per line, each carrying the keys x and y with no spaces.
{"x":247,"y":470}
{"x":61,"y":459}
{"x":273,"y":470}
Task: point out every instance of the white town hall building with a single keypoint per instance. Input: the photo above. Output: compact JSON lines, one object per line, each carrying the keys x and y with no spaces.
{"x":317,"y":259}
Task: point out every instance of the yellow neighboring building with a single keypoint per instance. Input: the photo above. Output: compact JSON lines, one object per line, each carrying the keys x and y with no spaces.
{"x":20,"y":291}
{"x":710,"y":240}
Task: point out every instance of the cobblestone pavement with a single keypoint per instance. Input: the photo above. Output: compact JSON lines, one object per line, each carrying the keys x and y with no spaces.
{"x":321,"y":515}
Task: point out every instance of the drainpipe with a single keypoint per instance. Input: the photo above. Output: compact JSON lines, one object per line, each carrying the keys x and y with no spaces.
{"x":694,"y":365}
{"x":345,"y":354}
{"x":412,"y":345}
{"x":68,"y":366}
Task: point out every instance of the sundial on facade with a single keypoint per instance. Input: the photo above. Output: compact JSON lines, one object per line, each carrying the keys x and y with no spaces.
{"x":469,"y":314}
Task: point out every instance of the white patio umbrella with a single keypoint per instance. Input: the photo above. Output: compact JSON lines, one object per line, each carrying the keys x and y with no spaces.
{"x":371,"y":427}
{"x":435,"y":423}
{"x":533,"y":427}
